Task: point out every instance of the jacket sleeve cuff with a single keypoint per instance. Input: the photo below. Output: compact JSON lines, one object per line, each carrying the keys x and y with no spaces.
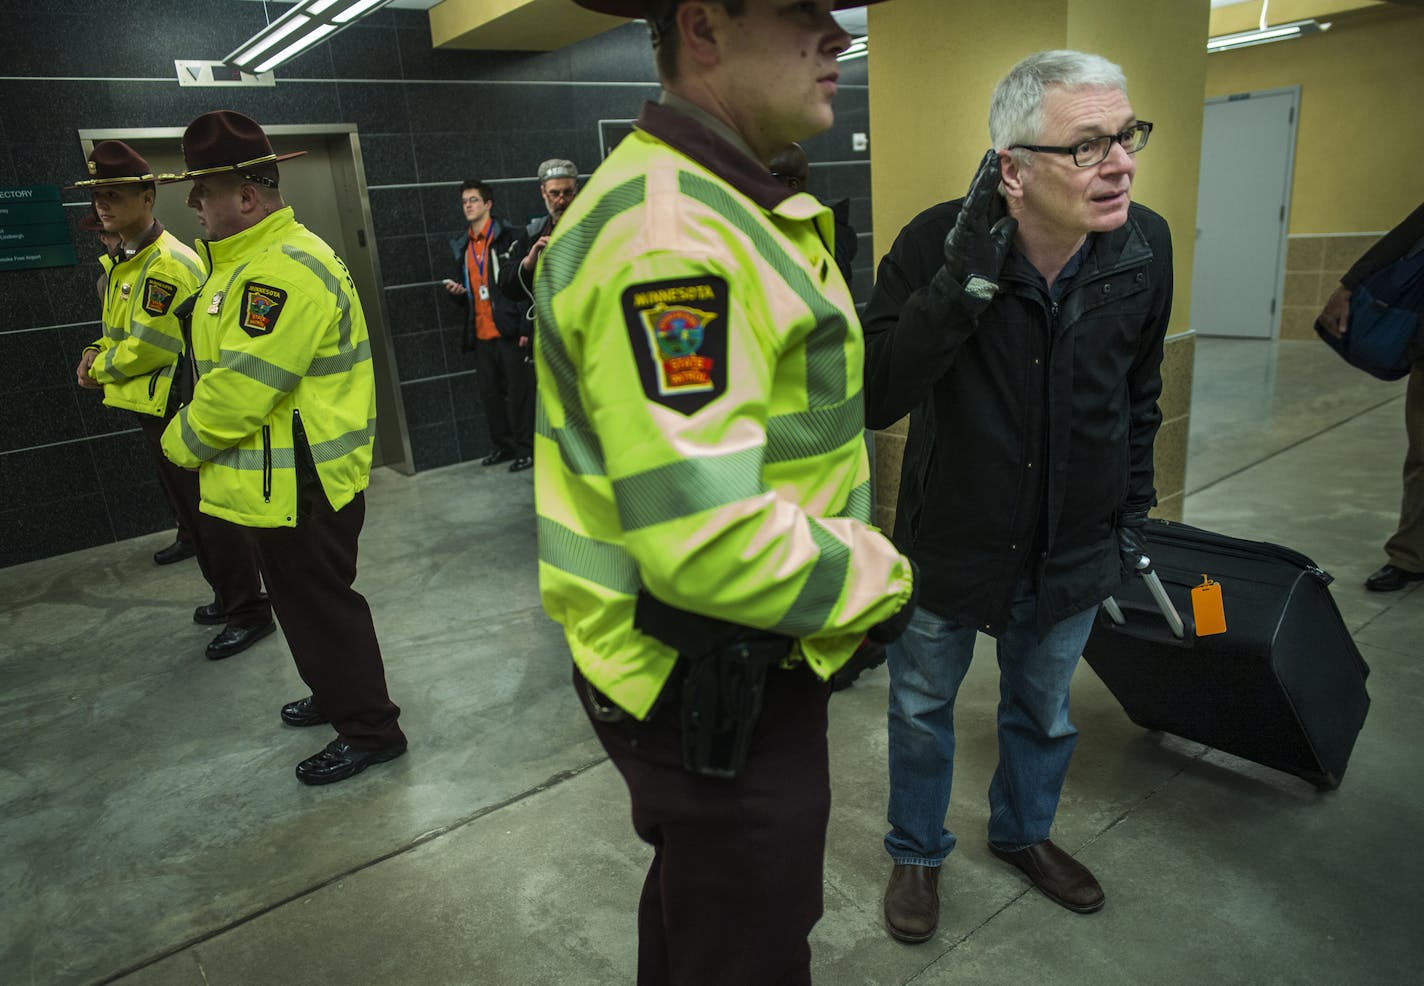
{"x":174,"y":448}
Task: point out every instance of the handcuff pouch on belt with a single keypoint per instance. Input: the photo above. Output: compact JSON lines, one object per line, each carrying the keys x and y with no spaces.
{"x":723,"y":680}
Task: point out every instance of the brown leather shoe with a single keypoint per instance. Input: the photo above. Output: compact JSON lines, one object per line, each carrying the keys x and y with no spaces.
{"x":1060,"y":877}
{"x":912,"y":902}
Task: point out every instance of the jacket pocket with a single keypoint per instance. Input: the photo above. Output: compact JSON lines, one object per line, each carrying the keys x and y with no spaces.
{"x":266,"y":463}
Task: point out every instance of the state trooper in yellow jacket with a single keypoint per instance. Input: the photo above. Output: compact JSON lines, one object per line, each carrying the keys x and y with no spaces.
{"x":702,"y":483}
{"x":281,"y":427}
{"x":137,"y":361}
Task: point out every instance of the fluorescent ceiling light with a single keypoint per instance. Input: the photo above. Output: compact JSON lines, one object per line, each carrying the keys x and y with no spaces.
{"x":297,"y":30}
{"x":859,"y":48}
{"x":275,"y":32}
{"x":1263,"y":35}
{"x":301,"y":44}
{"x":357,"y":9}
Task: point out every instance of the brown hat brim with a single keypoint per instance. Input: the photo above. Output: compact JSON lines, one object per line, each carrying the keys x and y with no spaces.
{"x":126,"y":180}
{"x":220,"y":169}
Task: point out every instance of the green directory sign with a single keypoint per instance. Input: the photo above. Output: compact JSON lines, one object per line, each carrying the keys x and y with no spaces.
{"x":33,"y":230}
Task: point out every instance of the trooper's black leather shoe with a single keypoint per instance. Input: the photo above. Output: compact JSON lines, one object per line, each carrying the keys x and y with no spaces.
{"x":341,"y":760}
{"x":496,"y":457}
{"x":522,"y":463}
{"x":1390,"y":577}
{"x":235,"y":640}
{"x":209,"y":614}
{"x":303,"y":712}
{"x":176,"y":551}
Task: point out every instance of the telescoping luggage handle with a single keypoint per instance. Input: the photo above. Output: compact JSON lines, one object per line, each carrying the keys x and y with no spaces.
{"x":1154,"y":586}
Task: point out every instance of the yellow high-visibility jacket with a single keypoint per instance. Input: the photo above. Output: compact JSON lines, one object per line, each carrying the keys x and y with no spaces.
{"x":284,"y":376}
{"x":700,"y":426}
{"x":142,"y":339}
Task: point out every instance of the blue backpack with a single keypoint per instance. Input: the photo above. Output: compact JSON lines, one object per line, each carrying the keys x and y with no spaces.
{"x":1384,"y":319}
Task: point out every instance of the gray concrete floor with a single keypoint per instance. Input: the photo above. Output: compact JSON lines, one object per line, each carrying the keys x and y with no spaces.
{"x":154,"y":835}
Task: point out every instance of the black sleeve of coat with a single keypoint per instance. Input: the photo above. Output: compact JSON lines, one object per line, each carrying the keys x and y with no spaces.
{"x":512,"y":282}
{"x":846,"y":243}
{"x":1144,"y":384}
{"x":914,"y":324}
{"x":1390,"y":248}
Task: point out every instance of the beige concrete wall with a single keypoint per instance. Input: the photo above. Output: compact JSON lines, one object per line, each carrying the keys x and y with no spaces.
{"x":933,"y":67}
{"x":1360,"y":143}
{"x":1314,"y":266}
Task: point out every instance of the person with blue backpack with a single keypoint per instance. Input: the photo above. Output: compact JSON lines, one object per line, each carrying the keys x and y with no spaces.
{"x":1384,"y":292}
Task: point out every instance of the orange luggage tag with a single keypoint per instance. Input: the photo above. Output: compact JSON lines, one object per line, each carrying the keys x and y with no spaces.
{"x":1207,"y":609}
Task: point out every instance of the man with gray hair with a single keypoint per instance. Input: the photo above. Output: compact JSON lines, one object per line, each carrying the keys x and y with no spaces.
{"x":1021,"y":329}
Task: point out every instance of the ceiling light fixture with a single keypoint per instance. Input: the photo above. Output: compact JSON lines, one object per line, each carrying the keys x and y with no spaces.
{"x":859,"y":48}
{"x":1263,"y":34}
{"x":1260,"y":36}
{"x":297,"y":30}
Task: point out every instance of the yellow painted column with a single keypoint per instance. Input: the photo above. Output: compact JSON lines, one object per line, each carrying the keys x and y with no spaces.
{"x":934,"y":65}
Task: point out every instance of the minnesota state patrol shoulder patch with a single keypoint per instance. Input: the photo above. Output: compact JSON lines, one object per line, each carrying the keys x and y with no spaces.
{"x":158,"y":296}
{"x":678,"y":330}
{"x":261,"y":307}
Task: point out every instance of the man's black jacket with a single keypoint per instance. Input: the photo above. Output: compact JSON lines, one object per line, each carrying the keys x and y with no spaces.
{"x":516,"y":283}
{"x":1032,"y":431}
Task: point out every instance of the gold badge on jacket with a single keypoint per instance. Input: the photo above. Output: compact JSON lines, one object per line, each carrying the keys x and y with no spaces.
{"x":261,"y":307}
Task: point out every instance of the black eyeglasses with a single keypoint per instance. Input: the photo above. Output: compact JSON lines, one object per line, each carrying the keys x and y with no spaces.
{"x":1095,"y":150}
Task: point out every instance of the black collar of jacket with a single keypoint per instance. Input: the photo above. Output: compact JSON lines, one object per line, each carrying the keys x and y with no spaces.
{"x":685,"y":135}
{"x":1123,"y":249}
{"x":121,"y":252}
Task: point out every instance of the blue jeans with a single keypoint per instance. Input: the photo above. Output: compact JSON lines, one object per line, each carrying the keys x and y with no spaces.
{"x":1036,"y":739}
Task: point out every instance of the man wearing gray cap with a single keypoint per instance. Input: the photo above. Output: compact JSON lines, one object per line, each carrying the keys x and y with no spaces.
{"x":558,"y":184}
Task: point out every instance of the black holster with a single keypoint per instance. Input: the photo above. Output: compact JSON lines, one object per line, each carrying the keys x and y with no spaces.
{"x":723,"y":679}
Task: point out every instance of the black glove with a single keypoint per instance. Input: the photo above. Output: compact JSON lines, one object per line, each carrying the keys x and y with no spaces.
{"x":867,"y":656}
{"x":978,"y":245}
{"x":871,"y":652}
{"x":1132,"y":542}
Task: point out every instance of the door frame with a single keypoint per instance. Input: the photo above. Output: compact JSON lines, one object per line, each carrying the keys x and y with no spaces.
{"x":358,"y":250}
{"x":1280,"y":279}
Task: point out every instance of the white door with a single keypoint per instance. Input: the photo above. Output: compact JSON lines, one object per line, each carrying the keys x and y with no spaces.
{"x":1243,"y":204}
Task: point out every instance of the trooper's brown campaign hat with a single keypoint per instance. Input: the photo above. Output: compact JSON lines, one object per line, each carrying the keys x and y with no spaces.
{"x":639,"y":8}
{"x":224,"y":140}
{"x":91,"y":221}
{"x":112,"y":162}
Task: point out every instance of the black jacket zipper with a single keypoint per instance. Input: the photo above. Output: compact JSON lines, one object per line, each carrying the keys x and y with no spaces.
{"x":267,"y":463}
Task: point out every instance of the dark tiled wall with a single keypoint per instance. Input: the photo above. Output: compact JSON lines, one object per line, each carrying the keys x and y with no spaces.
{"x":74,"y":473}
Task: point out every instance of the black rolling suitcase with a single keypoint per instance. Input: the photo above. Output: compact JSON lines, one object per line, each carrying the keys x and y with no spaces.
{"x":1283,"y":686}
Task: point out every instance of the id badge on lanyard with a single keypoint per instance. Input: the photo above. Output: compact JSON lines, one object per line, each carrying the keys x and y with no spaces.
{"x":480,"y":257}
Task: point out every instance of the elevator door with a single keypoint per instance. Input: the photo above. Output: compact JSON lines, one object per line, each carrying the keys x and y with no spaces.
{"x":326,"y":190}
